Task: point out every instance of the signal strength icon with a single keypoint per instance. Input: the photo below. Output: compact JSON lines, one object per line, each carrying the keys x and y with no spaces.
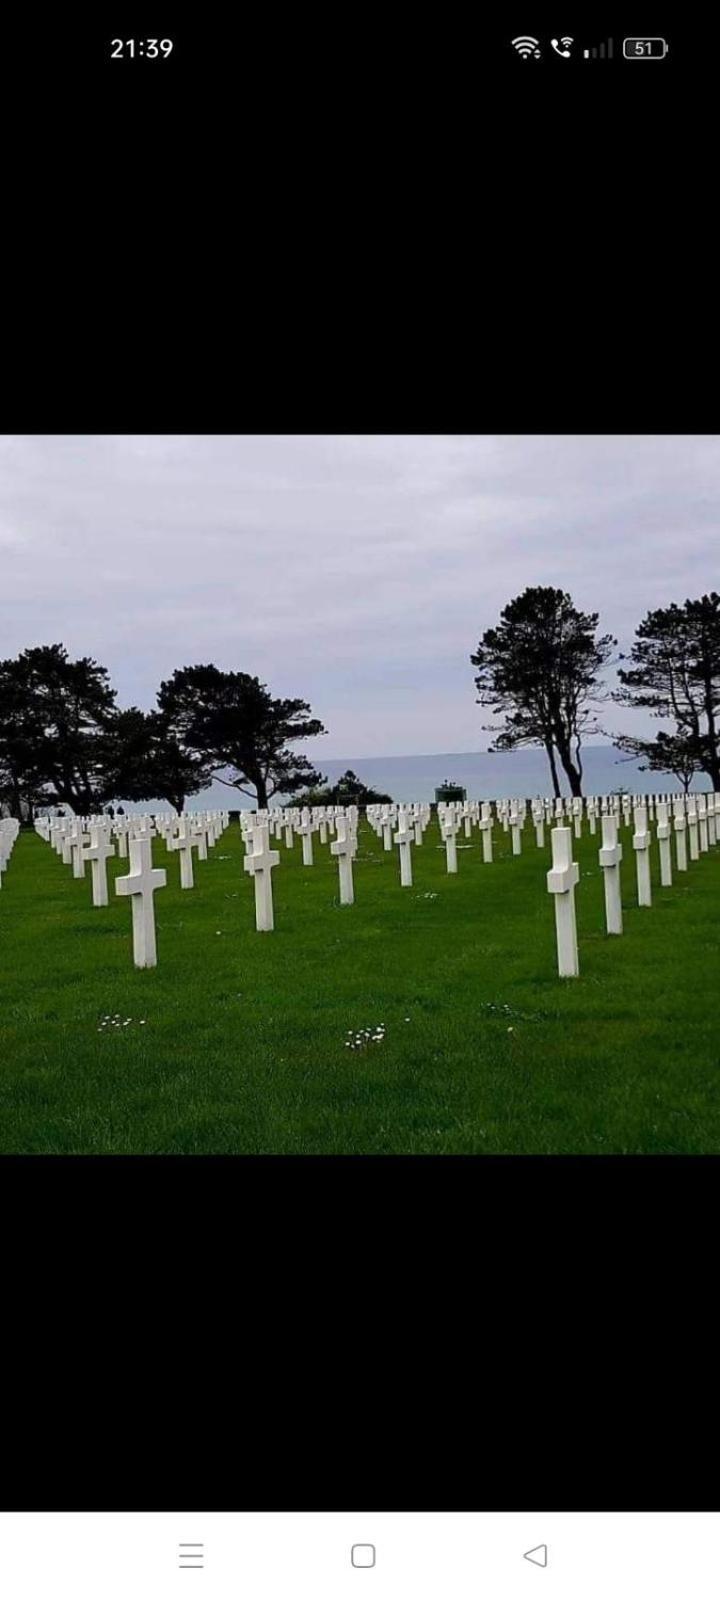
{"x":599,"y":52}
{"x":526,"y":46}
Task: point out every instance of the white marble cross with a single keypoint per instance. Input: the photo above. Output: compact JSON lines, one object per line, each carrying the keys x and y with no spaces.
{"x":577,"y":811}
{"x":260,"y":862}
{"x":387,"y":827}
{"x":713,"y":811}
{"x":60,"y":837}
{"x":561,"y":881}
{"x":121,"y":834}
{"x":663,"y":834}
{"x":680,"y":827}
{"x":7,"y":840}
{"x":101,"y":846}
{"x":641,"y":846}
{"x":516,"y":828}
{"x":141,"y":882}
{"x":185,"y":842}
{"x":692,"y":827}
{"x":404,"y":839}
{"x":78,"y":846}
{"x":538,"y":812}
{"x":199,"y":834}
{"x":305,"y":831}
{"x":343,"y":847}
{"x":485,"y":825}
{"x":712,"y":818}
{"x":702,"y":821}
{"x":610,"y":857}
{"x":449,"y":831}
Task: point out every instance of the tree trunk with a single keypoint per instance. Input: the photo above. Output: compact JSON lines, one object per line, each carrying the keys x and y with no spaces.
{"x":571,"y":772}
{"x":578,"y":761}
{"x":553,"y":769}
{"x":711,"y":765}
{"x":260,"y":787}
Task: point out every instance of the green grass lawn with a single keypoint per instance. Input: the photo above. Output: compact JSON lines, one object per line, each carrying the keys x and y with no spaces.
{"x":243,"y":1044}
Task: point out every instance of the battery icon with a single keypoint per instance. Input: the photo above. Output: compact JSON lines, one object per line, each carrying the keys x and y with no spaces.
{"x":644,"y":49}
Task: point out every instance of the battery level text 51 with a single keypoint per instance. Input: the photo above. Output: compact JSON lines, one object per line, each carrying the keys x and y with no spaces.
{"x":644,"y":49}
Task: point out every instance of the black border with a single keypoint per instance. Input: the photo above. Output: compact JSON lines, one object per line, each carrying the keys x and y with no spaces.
{"x":526,"y":1332}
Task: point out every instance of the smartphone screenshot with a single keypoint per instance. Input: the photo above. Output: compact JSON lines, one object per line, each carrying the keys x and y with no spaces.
{"x":359,"y":804}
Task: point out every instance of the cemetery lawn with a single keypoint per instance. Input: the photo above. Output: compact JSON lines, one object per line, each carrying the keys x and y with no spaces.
{"x":242,"y":1047}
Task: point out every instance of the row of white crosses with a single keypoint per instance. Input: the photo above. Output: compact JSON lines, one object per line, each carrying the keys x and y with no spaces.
{"x":699,"y":811}
{"x":260,"y":859}
{"x":9,"y":829}
{"x":696,"y":815}
{"x":184,"y":833}
{"x":134,"y":836}
{"x":143,"y":879}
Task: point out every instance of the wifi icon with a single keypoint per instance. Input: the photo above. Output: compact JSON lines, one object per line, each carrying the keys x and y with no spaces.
{"x":526,"y":46}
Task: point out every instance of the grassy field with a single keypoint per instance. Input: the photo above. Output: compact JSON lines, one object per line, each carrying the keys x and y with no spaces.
{"x":241,"y":1046}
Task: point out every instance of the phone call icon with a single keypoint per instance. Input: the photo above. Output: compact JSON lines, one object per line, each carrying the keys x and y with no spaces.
{"x":562,"y":46}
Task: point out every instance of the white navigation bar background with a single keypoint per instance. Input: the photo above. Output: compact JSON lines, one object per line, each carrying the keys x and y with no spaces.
{"x":424,"y":1556}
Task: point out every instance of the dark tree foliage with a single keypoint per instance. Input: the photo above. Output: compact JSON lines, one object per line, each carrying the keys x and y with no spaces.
{"x":230,"y":721}
{"x":666,"y":753}
{"x":674,"y":672}
{"x":540,"y":669}
{"x":143,"y":761}
{"x":348,"y":791}
{"x":54,"y":716}
{"x":22,"y":781}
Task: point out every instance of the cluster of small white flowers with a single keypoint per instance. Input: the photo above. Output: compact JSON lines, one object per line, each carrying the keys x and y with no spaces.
{"x":117,"y":1022}
{"x":427,"y":895}
{"x":357,"y":1041}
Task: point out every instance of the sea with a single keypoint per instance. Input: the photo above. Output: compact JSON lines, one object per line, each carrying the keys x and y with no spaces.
{"x":485,"y":775}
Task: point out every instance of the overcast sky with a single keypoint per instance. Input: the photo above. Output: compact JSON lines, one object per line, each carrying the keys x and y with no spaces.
{"x":355,"y":572}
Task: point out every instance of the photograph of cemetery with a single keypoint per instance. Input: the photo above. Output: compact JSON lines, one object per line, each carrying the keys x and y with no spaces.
{"x":359,"y":795}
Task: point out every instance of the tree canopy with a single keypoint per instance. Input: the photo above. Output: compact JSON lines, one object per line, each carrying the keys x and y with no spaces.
{"x":348,"y":791}
{"x":64,"y":740}
{"x":666,"y":753}
{"x":54,"y":717}
{"x":143,"y":761}
{"x":674,"y":672}
{"x":231,"y":721}
{"x":540,"y":668}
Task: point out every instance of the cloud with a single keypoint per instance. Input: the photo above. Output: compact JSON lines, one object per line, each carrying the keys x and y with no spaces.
{"x":357,"y":571}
